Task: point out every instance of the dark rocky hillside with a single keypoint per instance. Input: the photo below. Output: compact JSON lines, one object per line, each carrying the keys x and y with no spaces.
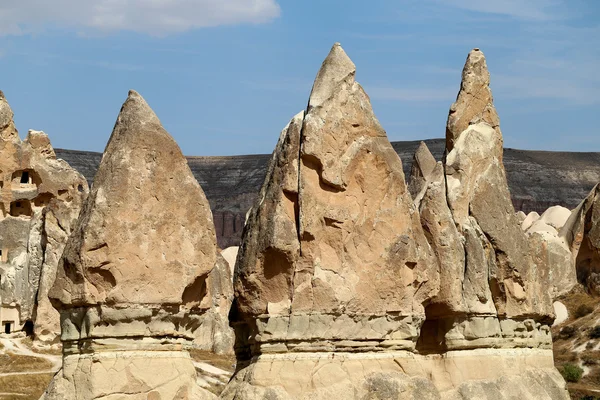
{"x":537,"y":179}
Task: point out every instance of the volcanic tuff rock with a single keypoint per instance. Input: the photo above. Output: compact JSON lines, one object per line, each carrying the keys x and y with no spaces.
{"x":492,"y":292}
{"x":40,"y":197}
{"x":582,"y":233}
{"x":338,"y":269}
{"x":135,"y":280}
{"x":549,"y":247}
{"x":420,"y":172}
{"x":333,"y":256}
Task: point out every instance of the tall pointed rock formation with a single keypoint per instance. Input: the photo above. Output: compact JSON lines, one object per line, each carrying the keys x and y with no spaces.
{"x":493,"y":300}
{"x":474,"y":102}
{"x":334,"y":264}
{"x":131,"y":286}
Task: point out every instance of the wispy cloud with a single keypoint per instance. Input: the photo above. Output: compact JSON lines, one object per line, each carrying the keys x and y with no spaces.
{"x":540,"y":10}
{"x":156,"y":17}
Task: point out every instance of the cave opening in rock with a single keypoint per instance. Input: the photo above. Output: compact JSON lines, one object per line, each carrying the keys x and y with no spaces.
{"x":20,"y":208}
{"x":25,"y":179}
{"x":28,"y":327}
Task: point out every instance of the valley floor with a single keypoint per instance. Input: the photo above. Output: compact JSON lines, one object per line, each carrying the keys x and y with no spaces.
{"x":26,"y":370}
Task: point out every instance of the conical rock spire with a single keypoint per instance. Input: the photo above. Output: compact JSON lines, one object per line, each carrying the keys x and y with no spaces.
{"x":474,"y":102}
{"x":137,"y":265}
{"x":146,"y":223}
{"x":336,"y":68}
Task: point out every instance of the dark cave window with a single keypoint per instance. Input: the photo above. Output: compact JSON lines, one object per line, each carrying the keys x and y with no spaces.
{"x":25,"y":177}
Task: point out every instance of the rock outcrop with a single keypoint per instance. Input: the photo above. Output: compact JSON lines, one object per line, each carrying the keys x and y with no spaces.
{"x":493,"y":293}
{"x":549,"y":247}
{"x":423,"y":165}
{"x":136,"y":277}
{"x":346,"y":286}
{"x":582,"y":234}
{"x":40,"y":197}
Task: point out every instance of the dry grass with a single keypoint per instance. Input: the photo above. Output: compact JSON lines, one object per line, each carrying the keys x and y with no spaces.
{"x":576,"y":298}
{"x":24,"y":387}
{"x":53,"y":351}
{"x":564,"y":345}
{"x":10,"y":362}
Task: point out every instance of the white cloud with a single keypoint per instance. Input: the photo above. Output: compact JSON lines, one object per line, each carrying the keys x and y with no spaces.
{"x":154,"y":17}
{"x":530,"y":9}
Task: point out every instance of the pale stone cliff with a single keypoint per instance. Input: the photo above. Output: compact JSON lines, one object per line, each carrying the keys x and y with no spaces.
{"x":140,"y":274}
{"x":40,"y":198}
{"x":346,"y":286}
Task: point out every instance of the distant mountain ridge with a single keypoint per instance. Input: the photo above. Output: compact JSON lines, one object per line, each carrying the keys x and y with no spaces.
{"x":537,"y":179}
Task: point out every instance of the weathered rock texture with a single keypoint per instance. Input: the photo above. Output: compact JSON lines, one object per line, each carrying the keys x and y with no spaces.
{"x":549,"y":246}
{"x":348,"y":287}
{"x":137,"y":275}
{"x":493,"y":293}
{"x":40,"y":197}
{"x":582,"y":234}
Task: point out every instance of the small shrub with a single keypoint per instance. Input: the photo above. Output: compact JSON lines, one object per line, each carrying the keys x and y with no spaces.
{"x":567,"y":332}
{"x":588,"y":359}
{"x":583,"y":310}
{"x":595,"y":332}
{"x":571,"y":372}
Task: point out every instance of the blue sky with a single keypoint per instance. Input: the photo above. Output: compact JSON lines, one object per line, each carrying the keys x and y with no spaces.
{"x":225,"y":76}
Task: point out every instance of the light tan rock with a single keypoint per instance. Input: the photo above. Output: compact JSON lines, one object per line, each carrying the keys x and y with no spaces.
{"x":582,"y":235}
{"x":494,"y":278}
{"x":562,"y":314}
{"x":59,"y":220}
{"x":31,"y":181}
{"x":550,"y":250}
{"x":529,"y":220}
{"x":480,"y":202}
{"x":466,"y":375}
{"x":134,"y":281}
{"x":333,"y":255}
{"x":556,"y":216}
{"x":521,"y":216}
{"x":422,"y":166}
{"x":356,"y":215}
{"x":214,"y":333}
{"x":230,"y":255}
{"x":447,"y":244}
{"x":339,"y":265}
{"x":474,"y":102}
